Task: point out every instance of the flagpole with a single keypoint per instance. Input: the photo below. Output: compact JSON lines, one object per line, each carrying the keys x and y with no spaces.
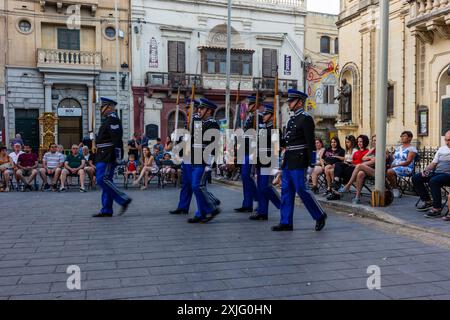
{"x":227,"y":96}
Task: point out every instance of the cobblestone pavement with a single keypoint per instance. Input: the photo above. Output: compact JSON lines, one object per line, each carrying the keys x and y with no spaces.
{"x":149,"y":254}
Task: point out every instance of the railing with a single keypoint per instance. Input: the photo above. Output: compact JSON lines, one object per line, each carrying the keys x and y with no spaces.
{"x":68,"y":58}
{"x":422,"y":8}
{"x":284,"y":3}
{"x":269,"y":84}
{"x":173,"y":80}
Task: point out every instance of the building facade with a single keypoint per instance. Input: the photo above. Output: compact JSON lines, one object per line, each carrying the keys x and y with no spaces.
{"x":419,"y":68}
{"x":321,"y":71}
{"x":180,"y":43}
{"x":60,"y":58}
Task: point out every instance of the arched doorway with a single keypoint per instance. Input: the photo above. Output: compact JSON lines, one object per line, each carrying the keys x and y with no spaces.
{"x":171,"y":122}
{"x":69,"y":123}
{"x":444,"y":99}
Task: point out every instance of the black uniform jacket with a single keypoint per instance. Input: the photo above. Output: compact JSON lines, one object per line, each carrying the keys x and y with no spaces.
{"x":199,"y":144}
{"x":109,"y":137}
{"x":299,"y":141}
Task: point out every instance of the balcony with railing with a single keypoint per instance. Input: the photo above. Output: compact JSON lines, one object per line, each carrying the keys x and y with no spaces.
{"x":69,"y":59}
{"x":171,"y":80}
{"x":430,"y":18}
{"x":268,"y":84}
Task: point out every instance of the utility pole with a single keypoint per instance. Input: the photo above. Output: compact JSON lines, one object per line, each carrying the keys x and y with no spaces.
{"x":116,"y":14}
{"x":227,"y":98}
{"x":378,"y":199}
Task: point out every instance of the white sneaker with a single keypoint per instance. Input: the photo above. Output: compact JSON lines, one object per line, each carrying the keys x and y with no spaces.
{"x":396,"y":193}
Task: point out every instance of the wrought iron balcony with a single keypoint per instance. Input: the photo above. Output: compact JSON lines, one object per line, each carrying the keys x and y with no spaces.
{"x":268,"y":84}
{"x":430,"y":18}
{"x":72,"y":59}
{"x":172,"y":80}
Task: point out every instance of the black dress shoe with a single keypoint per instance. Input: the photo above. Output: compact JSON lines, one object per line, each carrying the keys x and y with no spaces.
{"x":195,"y":220}
{"x":125,"y":207}
{"x":179,"y":211}
{"x":320,"y":224}
{"x":259,"y":217}
{"x":211,"y":216}
{"x":249,"y":210}
{"x":334,"y":196}
{"x":102,"y":215}
{"x":283,"y":227}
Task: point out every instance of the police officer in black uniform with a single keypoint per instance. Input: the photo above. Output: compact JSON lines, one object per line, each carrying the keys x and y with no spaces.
{"x":109,"y":152}
{"x":298,"y":141}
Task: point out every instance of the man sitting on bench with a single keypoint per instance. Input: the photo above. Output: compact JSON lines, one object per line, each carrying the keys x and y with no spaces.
{"x":74,"y":166}
{"x":437,"y":175}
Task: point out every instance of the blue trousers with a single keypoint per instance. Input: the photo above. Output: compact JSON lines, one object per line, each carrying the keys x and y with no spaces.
{"x":105,"y":174}
{"x":186,"y":187}
{"x":266,"y":193}
{"x":293,"y":181}
{"x":248,"y":184}
{"x":204,"y":206}
{"x":436,"y":181}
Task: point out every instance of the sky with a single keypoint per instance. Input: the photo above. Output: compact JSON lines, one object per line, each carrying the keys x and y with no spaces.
{"x":326,"y":6}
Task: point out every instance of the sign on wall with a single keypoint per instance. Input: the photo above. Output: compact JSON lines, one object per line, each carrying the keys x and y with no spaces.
{"x":153,"y":53}
{"x":69,"y":112}
{"x":287,"y":65}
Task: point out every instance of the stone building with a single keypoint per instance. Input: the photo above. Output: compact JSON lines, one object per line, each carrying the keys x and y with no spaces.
{"x":419,"y":62}
{"x":178,"y":43}
{"x":321,"y":72}
{"x":60,"y":58}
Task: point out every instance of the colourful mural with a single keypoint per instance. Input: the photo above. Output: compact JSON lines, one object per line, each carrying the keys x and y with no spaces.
{"x":315,"y":76}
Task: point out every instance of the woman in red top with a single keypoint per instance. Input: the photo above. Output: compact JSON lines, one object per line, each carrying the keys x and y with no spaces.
{"x":344,"y":171}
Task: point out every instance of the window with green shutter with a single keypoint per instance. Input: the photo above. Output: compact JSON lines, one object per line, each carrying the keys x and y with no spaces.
{"x":68,"y":39}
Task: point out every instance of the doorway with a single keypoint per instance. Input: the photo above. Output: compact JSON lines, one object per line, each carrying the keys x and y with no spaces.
{"x":27,"y":124}
{"x":70,"y":131}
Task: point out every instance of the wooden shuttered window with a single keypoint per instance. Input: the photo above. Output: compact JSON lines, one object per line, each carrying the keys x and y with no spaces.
{"x":177,"y":56}
{"x":390,"y":101}
{"x":270,"y":63}
{"x":68,"y":39}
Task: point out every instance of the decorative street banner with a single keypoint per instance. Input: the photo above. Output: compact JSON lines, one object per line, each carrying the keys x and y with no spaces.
{"x":153,"y":53}
{"x":287,"y":65}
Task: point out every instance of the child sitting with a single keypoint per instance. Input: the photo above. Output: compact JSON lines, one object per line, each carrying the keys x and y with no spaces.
{"x":168,"y":169}
{"x":131,"y":167}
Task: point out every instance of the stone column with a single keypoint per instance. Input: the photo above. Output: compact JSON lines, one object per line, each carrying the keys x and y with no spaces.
{"x":91,"y":109}
{"x":48,"y":97}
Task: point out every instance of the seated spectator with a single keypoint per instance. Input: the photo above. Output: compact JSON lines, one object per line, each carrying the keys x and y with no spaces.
{"x":134,"y":146}
{"x":17,"y":151}
{"x":6,"y":168}
{"x":52,"y":164}
{"x":131,"y":167}
{"x":319,"y":167}
{"x":89,"y":168}
{"x":343,"y":171}
{"x":403,"y":163}
{"x":437,"y":175}
{"x":330,"y":157}
{"x":157,"y":155}
{"x":61,"y":150}
{"x":350,"y":149}
{"x":73,"y":166}
{"x":169,"y":145}
{"x":149,"y":168}
{"x":168,"y":168}
{"x":27,"y":164}
{"x":17,"y":140}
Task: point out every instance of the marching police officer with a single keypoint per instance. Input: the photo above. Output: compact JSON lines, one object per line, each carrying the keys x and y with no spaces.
{"x":186,"y":171}
{"x":298,"y":141}
{"x":109,"y":151}
{"x":266,"y":192}
{"x":206,"y":209}
{"x":248,"y":184}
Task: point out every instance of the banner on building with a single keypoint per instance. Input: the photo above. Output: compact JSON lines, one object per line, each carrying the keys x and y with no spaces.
{"x":153,"y":53}
{"x":287,"y":65}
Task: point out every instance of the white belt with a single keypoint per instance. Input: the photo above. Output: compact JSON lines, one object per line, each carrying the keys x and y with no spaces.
{"x":105,"y":145}
{"x":297,"y":147}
